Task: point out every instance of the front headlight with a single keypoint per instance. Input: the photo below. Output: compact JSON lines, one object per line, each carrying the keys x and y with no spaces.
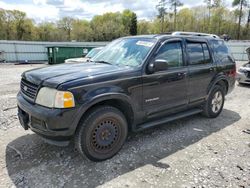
{"x":53,"y":98}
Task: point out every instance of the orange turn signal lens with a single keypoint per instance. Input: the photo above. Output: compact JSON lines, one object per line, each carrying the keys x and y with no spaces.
{"x":64,"y":99}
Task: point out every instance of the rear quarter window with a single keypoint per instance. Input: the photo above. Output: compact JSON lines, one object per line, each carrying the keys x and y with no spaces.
{"x":220,"y":49}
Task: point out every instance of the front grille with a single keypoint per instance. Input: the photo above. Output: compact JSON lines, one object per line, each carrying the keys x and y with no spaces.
{"x":29,"y":89}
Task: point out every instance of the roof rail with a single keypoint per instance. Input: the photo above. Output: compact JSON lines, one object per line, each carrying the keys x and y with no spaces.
{"x":195,"y":34}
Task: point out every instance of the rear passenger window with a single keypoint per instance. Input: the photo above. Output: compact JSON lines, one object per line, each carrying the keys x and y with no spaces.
{"x":198,"y":53}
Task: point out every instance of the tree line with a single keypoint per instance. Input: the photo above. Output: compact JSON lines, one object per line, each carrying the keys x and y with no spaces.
{"x":15,"y":25}
{"x":214,"y":17}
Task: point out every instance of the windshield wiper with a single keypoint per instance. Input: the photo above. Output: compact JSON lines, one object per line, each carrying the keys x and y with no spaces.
{"x":104,"y":62}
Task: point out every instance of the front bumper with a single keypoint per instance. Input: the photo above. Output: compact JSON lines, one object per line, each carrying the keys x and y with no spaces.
{"x":242,"y":78}
{"x":54,"y":124}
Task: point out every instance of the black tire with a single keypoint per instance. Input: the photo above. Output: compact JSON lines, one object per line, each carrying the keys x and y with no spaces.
{"x":102,"y":133}
{"x":209,"y":109}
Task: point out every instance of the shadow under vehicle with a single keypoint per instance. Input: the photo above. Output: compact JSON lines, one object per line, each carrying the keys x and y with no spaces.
{"x":45,"y":165}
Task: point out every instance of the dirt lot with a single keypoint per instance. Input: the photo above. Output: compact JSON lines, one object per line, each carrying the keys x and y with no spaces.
{"x":192,"y":152}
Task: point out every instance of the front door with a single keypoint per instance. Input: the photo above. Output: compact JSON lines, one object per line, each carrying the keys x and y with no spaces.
{"x":167,"y":89}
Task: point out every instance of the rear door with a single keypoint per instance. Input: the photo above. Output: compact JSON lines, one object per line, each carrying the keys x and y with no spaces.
{"x":201,"y":69}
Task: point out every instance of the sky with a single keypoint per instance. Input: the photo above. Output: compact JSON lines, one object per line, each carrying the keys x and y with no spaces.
{"x":51,"y":10}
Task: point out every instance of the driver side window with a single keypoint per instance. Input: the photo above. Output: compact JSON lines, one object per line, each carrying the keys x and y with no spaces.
{"x":172,"y":53}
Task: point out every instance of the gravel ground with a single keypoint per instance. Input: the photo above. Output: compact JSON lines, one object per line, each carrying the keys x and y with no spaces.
{"x":192,"y":152}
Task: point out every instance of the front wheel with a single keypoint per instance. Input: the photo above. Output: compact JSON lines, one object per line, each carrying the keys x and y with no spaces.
{"x":215,"y":102}
{"x":102,"y":133}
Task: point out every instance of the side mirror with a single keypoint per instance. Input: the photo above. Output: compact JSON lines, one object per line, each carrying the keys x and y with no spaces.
{"x":157,"y":65}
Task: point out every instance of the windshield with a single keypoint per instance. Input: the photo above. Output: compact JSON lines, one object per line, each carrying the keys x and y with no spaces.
{"x":93,"y":52}
{"x":126,"y":51}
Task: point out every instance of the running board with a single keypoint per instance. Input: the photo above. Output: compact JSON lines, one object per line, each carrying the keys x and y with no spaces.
{"x":168,"y":119}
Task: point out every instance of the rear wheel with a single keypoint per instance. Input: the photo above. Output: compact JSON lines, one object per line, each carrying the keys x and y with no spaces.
{"x":215,"y":102}
{"x":102,"y":134}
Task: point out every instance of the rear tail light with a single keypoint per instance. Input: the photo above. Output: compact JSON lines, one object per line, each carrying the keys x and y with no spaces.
{"x":232,"y":73}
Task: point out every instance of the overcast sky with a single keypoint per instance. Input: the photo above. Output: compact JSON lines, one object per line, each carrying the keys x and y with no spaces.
{"x":50,"y":10}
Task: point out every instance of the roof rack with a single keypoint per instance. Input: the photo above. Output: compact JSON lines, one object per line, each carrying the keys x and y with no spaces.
{"x":195,"y":34}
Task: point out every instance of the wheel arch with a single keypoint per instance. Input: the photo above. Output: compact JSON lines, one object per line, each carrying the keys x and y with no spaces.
{"x":219,"y":80}
{"x":119,"y":101}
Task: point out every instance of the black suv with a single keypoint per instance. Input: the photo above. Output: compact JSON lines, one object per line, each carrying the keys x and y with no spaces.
{"x":134,"y":83}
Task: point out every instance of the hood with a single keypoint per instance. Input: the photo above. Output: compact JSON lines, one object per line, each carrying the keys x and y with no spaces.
{"x":55,"y":75}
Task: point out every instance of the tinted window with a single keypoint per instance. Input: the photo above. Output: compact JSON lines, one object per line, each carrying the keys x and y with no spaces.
{"x":198,"y":53}
{"x":220,"y":49}
{"x":172,"y":53}
{"x":207,"y":58}
{"x":195,"y":53}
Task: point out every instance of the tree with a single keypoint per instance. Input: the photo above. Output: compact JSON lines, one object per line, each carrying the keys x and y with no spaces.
{"x":218,"y":12}
{"x":240,"y":4}
{"x":129,"y":20}
{"x":107,"y":27}
{"x":144,"y":27}
{"x":9,"y":25}
{"x":126,"y":20}
{"x":81,"y":30}
{"x":248,"y":22}
{"x":186,"y":20}
{"x":2,"y":20}
{"x":133,"y":26}
{"x":209,"y":7}
{"x":29,"y":30}
{"x":16,"y":26}
{"x":19,"y":19}
{"x":219,"y":20}
{"x":46,"y":31}
{"x":66,"y":25}
{"x":173,"y":5}
{"x":161,"y":7}
{"x":248,"y":19}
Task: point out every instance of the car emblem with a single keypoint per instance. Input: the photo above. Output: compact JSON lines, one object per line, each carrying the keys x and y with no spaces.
{"x":25,"y":88}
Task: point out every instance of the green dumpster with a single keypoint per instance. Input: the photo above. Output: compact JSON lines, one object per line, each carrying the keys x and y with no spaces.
{"x":57,"y":54}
